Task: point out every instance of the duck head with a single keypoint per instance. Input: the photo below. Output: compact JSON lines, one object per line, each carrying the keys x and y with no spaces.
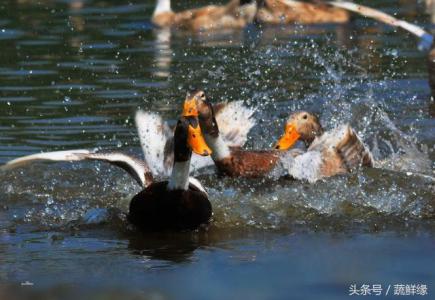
{"x":190,"y":106}
{"x":187,"y":138}
{"x":196,"y":104}
{"x":302,"y":126}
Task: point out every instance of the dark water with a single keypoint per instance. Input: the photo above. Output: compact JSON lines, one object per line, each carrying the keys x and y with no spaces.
{"x":72,"y":76}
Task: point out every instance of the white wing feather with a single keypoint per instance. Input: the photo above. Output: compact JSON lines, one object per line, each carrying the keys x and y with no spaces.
{"x":69,"y":155}
{"x":135,"y":167}
{"x":153,"y":134}
{"x":235,"y":121}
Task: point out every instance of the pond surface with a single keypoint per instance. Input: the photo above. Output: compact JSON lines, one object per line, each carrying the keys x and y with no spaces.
{"x":72,"y":75}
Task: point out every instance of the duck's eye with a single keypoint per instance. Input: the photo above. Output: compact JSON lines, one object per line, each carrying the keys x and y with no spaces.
{"x":305,"y":117}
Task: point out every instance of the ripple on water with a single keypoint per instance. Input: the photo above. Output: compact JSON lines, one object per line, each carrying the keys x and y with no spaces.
{"x":17,"y":99}
{"x":27,"y":72}
{"x":10,"y":34}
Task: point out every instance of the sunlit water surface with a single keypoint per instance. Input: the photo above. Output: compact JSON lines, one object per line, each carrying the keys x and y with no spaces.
{"x":72,"y":76}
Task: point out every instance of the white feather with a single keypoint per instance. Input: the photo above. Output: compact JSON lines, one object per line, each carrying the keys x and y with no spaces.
{"x":235,"y":121}
{"x":69,"y":155}
{"x":330,"y":137}
{"x":303,"y":167}
{"x":197,"y":184}
{"x":153,"y":134}
{"x":135,"y":167}
{"x":162,"y":7}
{"x":219,"y":147}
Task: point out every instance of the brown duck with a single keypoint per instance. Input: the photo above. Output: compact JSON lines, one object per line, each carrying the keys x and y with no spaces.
{"x":235,"y":14}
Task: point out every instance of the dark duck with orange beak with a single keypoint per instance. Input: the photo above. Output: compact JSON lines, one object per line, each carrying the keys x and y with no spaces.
{"x":180,"y":203}
{"x":175,"y":204}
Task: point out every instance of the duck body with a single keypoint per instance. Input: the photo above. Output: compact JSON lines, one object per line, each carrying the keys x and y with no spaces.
{"x":297,"y":12}
{"x":250,"y":164}
{"x":159,"y":208}
{"x":235,"y":14}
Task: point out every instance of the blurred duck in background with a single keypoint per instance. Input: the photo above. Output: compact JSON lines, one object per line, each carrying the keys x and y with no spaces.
{"x":298,"y":12}
{"x":233,"y":15}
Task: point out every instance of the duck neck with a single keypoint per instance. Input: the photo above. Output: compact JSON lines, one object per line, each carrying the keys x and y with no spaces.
{"x":162,"y":7}
{"x":180,"y":176}
{"x":213,"y":138}
{"x":218,"y":146}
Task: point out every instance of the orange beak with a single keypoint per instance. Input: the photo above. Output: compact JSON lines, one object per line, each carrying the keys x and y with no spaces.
{"x":196,"y":141}
{"x":289,"y":138}
{"x":189,"y":108}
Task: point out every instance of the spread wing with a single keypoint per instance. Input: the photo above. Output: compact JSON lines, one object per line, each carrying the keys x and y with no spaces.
{"x":156,"y":137}
{"x":156,"y":141}
{"x":133,"y":166}
{"x":346,"y":143}
{"x":235,"y":120}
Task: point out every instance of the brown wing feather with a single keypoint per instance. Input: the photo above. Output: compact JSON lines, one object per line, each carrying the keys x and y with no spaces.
{"x":352,"y":150}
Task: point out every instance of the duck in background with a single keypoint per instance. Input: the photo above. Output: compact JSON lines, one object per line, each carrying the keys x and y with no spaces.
{"x":233,"y":15}
{"x":298,"y":12}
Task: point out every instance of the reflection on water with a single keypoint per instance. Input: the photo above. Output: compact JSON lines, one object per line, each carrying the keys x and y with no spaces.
{"x":74,"y":72}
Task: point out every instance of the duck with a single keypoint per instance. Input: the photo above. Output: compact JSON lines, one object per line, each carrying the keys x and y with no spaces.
{"x":229,"y":160}
{"x":180,"y":203}
{"x":336,"y":152}
{"x":175,"y":204}
{"x":329,"y":153}
{"x":298,"y":12}
{"x":235,"y":14}
{"x":234,"y":118}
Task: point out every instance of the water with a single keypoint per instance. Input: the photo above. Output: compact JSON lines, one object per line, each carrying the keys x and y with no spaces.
{"x":72,"y":76}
